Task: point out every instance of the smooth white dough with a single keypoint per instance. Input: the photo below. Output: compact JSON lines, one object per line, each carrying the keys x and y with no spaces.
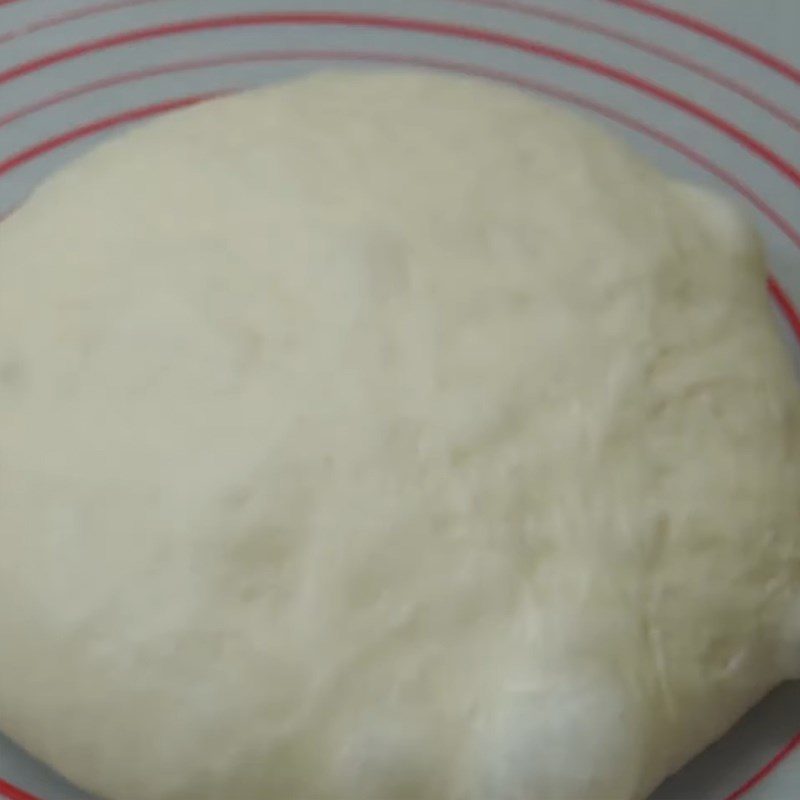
{"x":387,"y":436}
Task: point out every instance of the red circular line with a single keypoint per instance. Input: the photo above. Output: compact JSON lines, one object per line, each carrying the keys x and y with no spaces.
{"x":559,"y":17}
{"x":767,"y":770}
{"x":6,"y":789}
{"x":644,"y":46}
{"x":710,"y":31}
{"x":416,"y":26}
{"x":122,"y":78}
{"x":792,"y":317}
{"x":709,"y":166}
{"x":70,"y":16}
{"x":91,"y":128}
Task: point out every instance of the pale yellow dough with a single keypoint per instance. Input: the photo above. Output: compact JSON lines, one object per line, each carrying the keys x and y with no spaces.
{"x":387,"y":436}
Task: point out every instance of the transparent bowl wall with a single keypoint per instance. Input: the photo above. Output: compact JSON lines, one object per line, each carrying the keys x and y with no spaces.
{"x":713,"y":99}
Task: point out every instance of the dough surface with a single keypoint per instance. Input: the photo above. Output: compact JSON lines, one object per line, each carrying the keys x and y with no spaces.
{"x":387,"y":437}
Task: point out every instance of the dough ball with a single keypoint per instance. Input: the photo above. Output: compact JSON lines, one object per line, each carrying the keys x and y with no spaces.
{"x":387,"y":436}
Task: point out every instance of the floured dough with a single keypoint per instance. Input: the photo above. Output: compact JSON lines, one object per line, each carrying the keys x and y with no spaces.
{"x":387,"y":437}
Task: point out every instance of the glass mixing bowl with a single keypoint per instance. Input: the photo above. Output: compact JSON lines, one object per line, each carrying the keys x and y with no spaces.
{"x":712,"y":99}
